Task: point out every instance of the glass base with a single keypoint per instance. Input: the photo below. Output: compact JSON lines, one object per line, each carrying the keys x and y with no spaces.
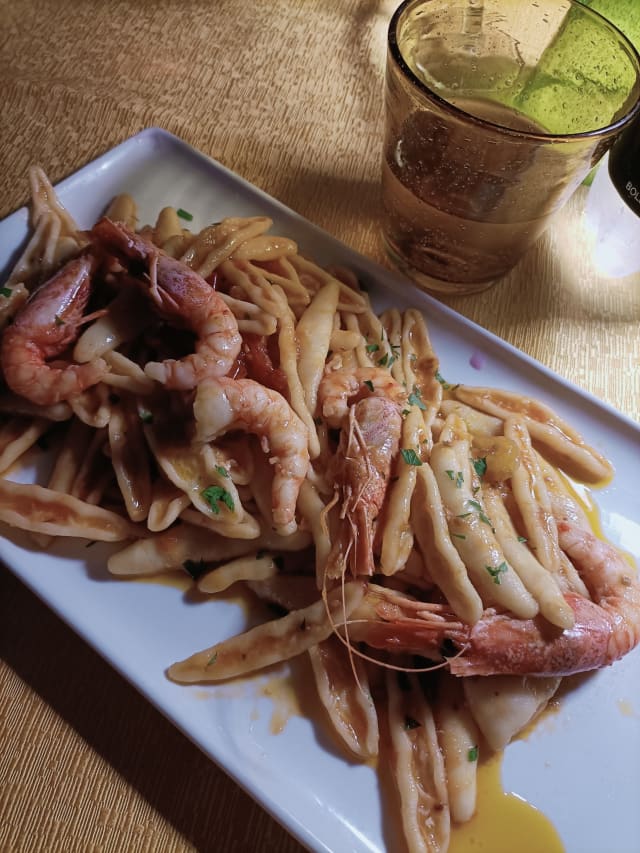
{"x":435,"y":286}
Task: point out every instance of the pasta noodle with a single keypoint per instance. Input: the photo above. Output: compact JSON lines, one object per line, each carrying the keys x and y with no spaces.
{"x":219,"y":404}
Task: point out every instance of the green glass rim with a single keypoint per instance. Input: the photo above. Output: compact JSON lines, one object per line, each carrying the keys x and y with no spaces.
{"x":598,"y":133}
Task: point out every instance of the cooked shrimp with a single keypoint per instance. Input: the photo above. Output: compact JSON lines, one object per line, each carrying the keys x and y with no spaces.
{"x":43,"y":328}
{"x":341,"y":388}
{"x":182,"y":297}
{"x":361,"y":470}
{"x":222,"y":405}
{"x":604,"y":629}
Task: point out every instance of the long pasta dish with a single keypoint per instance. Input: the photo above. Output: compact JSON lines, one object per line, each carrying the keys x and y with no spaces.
{"x":216,"y":402}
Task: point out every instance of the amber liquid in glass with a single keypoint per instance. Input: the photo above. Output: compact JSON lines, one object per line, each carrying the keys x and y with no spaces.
{"x":453,"y":199}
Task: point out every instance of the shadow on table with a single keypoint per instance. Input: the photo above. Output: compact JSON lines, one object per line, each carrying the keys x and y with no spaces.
{"x":206,"y":808}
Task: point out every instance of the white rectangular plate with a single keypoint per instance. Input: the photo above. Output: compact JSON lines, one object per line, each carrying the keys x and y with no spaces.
{"x":583,"y":771}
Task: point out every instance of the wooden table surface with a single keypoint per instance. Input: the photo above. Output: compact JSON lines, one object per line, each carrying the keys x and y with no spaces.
{"x":289,"y":95}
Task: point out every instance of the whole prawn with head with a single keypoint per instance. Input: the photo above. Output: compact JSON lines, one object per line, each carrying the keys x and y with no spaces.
{"x":183,"y":298}
{"x":365,"y":403}
{"x":606,"y":627}
{"x":44,"y":327}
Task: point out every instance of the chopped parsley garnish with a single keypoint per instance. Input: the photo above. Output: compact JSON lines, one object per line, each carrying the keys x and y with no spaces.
{"x":6,"y":291}
{"x":184,"y":214}
{"x":459,"y":535}
{"x":372,"y":347}
{"x":456,"y":477}
{"x":480,"y":466}
{"x":495,"y":573}
{"x":222,"y":471}
{"x":216,"y":494}
{"x":195,"y":569}
{"x":445,"y":385}
{"x":369,"y":384}
{"x":481,"y":513}
{"x":415,"y":400}
{"x":212,"y":659}
{"x":384,"y":361}
{"x":410,"y":723}
{"x":145,"y":416}
{"x":410,"y":456}
{"x":472,"y":754}
{"x":58,"y":320}
{"x":522,"y":539}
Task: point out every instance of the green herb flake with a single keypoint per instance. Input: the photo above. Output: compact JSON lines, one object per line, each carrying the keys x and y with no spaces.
{"x":456,"y":477}
{"x":145,"y":416}
{"x":415,"y":400}
{"x":222,"y":471}
{"x":405,"y":412}
{"x":372,"y":347}
{"x":216,"y":494}
{"x":195,"y":569}
{"x":495,"y":573}
{"x":184,"y":214}
{"x":445,"y":385}
{"x":472,"y":754}
{"x":58,"y":320}
{"x":212,"y":659}
{"x":411,"y":457}
{"x":522,"y":539}
{"x":6,"y":291}
{"x":481,"y":513}
{"x":410,"y":723}
{"x":480,"y":466}
{"x":459,"y":535}
{"x":382,"y":362}
{"x":369,"y":384}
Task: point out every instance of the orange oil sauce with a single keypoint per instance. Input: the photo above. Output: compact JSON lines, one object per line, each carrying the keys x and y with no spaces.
{"x":178,"y":579}
{"x":503,"y":822}
{"x":583,"y":495}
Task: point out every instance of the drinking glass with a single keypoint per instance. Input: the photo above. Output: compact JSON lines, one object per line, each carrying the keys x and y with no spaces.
{"x":496,"y":110}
